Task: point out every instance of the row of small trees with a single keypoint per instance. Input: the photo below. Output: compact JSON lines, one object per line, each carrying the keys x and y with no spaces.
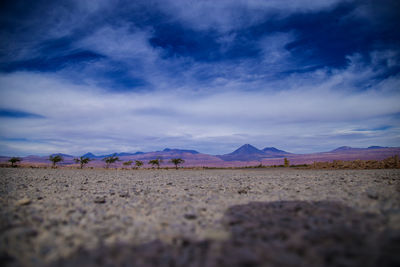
{"x":138,"y":163}
{"x":112,"y":159}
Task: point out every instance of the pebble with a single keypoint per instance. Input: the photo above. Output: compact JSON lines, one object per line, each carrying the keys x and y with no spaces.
{"x":242,"y":191}
{"x":23,"y":202}
{"x":190,"y":216}
{"x":124,"y":194}
{"x":372,"y":194}
{"x":100,"y":200}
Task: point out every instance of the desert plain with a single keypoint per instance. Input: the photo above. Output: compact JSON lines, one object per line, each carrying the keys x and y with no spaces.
{"x":241,"y":217}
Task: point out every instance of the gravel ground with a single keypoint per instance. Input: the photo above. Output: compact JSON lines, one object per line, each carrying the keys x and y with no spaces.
{"x":261,"y":217}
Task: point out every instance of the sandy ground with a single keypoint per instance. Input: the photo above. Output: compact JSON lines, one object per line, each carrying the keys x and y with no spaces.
{"x":265,"y":217}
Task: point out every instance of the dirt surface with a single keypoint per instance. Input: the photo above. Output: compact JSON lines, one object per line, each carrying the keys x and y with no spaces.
{"x":266,"y":217}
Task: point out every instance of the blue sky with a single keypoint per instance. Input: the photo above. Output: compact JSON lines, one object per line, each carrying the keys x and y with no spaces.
{"x":105,"y":76}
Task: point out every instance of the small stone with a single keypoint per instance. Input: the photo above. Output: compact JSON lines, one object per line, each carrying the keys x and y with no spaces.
{"x":100,"y":200}
{"x":372,"y":194}
{"x":217,"y":235}
{"x":23,"y":202}
{"x":124,"y":194}
{"x":190,"y":216}
{"x":242,"y":191}
{"x":127,"y":220}
{"x":37,"y":219}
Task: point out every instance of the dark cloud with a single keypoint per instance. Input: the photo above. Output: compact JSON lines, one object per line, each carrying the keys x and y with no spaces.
{"x":323,"y":37}
{"x":18,"y":114}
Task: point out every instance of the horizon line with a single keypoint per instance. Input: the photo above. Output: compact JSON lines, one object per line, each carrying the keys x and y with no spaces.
{"x":155,"y":151}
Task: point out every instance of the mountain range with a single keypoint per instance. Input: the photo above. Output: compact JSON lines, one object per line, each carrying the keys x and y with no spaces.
{"x":248,"y":152}
{"x":245,"y":155}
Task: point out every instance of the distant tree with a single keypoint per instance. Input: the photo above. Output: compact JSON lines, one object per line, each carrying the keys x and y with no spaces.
{"x":127,"y":163}
{"x":156,"y":162}
{"x":82,"y":161}
{"x":286,"y":162}
{"x":177,"y":161}
{"x":14,"y":160}
{"x":110,"y":160}
{"x":55,"y":159}
{"x":138,"y":163}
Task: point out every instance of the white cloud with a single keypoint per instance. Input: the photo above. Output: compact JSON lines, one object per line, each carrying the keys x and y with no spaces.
{"x":120,"y":43}
{"x":324,"y":107}
{"x":226,"y":15}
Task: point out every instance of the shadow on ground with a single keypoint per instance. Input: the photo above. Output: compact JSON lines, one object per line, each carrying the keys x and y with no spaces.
{"x":286,"y":233}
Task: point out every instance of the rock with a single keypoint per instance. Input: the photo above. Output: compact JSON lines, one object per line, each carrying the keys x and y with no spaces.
{"x":127,"y":220}
{"x":216,"y":235}
{"x":242,"y":191}
{"x":372,"y":194}
{"x":124,"y":194}
{"x":100,"y":200}
{"x":23,"y":202}
{"x":37,"y":218}
{"x":21,"y":233}
{"x":190,"y":216}
{"x":6,"y":258}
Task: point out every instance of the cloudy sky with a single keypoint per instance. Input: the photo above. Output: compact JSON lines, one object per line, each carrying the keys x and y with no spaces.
{"x":112,"y":76}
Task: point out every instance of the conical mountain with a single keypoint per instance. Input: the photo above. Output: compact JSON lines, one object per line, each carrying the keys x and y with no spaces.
{"x":246,"y":152}
{"x":246,"y":149}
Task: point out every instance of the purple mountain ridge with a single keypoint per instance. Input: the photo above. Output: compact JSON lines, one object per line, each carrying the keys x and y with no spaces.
{"x":248,"y":152}
{"x":342,"y":148}
{"x":245,"y":155}
{"x":62,"y":155}
{"x":180,"y":151}
{"x":349,"y":148}
{"x":122,"y":154}
{"x":274,"y":150}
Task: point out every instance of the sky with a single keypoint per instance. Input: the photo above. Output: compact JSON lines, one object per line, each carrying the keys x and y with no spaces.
{"x":124,"y":76}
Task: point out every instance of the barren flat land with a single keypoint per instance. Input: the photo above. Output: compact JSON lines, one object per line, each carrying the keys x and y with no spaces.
{"x":257,"y":217}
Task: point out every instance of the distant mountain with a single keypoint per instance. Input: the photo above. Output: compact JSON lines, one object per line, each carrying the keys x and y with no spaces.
{"x":274,"y":150}
{"x":342,"y":148}
{"x":245,"y":155}
{"x":62,"y":155}
{"x":122,"y":154}
{"x":349,"y":148}
{"x":180,"y":151}
{"x":248,"y":152}
{"x":89,"y":155}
